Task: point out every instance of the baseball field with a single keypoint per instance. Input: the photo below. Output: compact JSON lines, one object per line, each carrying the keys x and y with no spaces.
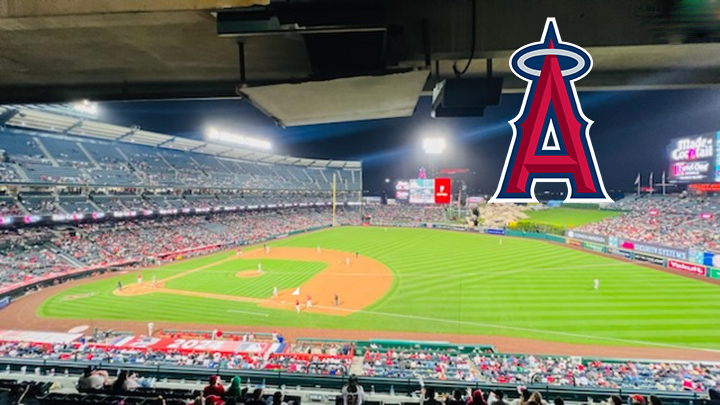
{"x":414,"y":280}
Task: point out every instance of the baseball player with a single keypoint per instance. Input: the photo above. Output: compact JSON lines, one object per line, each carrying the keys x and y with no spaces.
{"x":139,"y":278}
{"x":274,"y":292}
{"x":238,"y":252}
{"x":347,"y":261}
{"x":119,"y":285}
{"x":267,"y":249}
{"x":259,"y":267}
{"x":297,"y":306}
{"x":151,"y":326}
{"x":337,"y":300}
{"x":597,"y":284}
{"x":309,"y":301}
{"x":318,"y":248}
{"x":357,"y":255}
{"x":154,"y":281}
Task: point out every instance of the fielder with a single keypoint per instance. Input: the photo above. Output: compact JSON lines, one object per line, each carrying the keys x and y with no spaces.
{"x":119,"y":285}
{"x":267,"y":249}
{"x":151,"y":326}
{"x":259,"y":267}
{"x":297,"y":306}
{"x":318,"y":249}
{"x":154,"y":281}
{"x":238,"y":252}
{"x":597,"y":284}
{"x":274,"y":292}
{"x":139,"y":278}
{"x":347,"y":261}
{"x":309,"y":301}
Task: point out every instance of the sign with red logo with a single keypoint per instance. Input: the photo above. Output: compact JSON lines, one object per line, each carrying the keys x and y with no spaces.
{"x":654,"y":212}
{"x":706,"y":215}
{"x":687,"y":267}
{"x":442,"y":191}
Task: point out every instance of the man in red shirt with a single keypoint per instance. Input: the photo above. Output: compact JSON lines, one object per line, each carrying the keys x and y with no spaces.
{"x":214,"y":388}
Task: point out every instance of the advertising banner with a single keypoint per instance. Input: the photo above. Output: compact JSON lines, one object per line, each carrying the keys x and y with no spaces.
{"x":442,"y":191}
{"x":687,"y":267}
{"x":705,"y":258}
{"x":692,"y":158}
{"x":652,"y":249}
{"x":573,"y":242}
{"x":620,"y":252}
{"x":713,"y":273}
{"x":594,"y":247}
{"x":587,"y":237}
{"x":650,"y":259}
{"x":491,"y":231}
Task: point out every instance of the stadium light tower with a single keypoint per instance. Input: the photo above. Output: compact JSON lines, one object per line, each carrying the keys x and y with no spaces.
{"x":433,"y":147}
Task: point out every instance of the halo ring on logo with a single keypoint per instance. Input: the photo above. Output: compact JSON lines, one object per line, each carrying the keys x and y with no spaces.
{"x":545,"y":52}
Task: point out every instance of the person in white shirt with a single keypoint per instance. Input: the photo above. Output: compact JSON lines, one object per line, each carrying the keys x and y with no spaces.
{"x":597,"y":284}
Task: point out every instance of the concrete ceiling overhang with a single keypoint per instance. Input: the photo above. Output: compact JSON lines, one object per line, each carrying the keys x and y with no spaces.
{"x":64,"y":50}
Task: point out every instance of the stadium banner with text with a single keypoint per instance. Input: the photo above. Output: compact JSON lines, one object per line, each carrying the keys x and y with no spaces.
{"x":491,"y":231}
{"x":650,"y":259}
{"x":620,"y":252}
{"x":692,"y":158}
{"x":587,"y":237}
{"x":687,"y":267}
{"x":442,"y":190}
{"x":574,"y":242}
{"x":713,"y":273}
{"x":594,"y":247}
{"x":652,"y":249}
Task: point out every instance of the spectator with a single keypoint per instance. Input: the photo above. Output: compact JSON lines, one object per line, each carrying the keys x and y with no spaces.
{"x":477,"y":398}
{"x":214,"y":387}
{"x":93,"y":379}
{"x":353,"y":393}
{"x":496,"y":398}
{"x":257,"y":398}
{"x":278,"y":399}
{"x":429,"y":397}
{"x":235,"y":391}
{"x":456,"y":399}
{"x":637,"y":399}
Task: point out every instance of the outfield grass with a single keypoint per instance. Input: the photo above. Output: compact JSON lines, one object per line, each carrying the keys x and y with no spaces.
{"x":569,"y":216}
{"x":445,"y":282}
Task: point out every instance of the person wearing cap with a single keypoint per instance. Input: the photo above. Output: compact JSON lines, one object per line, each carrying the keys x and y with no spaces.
{"x":637,"y":399}
{"x":477,"y":398}
{"x":214,"y":388}
{"x":353,"y":393}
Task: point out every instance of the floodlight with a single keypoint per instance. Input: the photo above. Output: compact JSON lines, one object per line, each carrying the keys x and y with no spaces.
{"x":434,"y":146}
{"x":216,"y":134}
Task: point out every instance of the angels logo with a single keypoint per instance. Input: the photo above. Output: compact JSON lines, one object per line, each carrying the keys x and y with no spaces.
{"x":551,"y":135}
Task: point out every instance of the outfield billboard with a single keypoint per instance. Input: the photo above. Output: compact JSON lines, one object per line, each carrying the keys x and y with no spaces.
{"x":693,"y":158}
{"x":587,"y":237}
{"x":652,"y":249}
{"x":687,"y":267}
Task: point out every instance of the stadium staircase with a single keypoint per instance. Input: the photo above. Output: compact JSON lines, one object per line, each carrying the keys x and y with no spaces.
{"x":59,"y":253}
{"x":20,"y":172}
{"x":356,"y":367}
{"x":45,"y":151}
{"x":87,"y":154}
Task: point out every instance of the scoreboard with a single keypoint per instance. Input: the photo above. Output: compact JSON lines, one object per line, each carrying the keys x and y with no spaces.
{"x":424,"y":191}
{"x":695,"y":159}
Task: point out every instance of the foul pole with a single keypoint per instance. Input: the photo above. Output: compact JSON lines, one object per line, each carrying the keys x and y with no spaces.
{"x":333,"y":200}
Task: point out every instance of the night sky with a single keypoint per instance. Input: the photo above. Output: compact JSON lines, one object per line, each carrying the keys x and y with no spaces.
{"x":630,"y":133}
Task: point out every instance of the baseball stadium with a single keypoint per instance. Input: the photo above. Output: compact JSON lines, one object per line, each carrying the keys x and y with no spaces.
{"x":212,"y":214}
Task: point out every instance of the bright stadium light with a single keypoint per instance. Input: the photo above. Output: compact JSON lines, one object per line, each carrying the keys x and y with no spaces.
{"x":216,"y":134}
{"x":433,"y":146}
{"x":86,"y":107}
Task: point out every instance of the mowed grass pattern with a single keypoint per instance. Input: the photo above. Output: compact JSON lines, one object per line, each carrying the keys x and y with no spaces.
{"x":451,"y":282}
{"x":222,"y":279}
{"x":569,"y":216}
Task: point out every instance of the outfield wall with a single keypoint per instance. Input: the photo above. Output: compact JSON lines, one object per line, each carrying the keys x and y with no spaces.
{"x":690,"y":261}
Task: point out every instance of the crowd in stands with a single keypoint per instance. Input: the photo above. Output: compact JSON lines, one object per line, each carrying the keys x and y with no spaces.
{"x":405,"y":214}
{"x":429,"y":364}
{"x":675,"y":221}
{"x":570,"y":371}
